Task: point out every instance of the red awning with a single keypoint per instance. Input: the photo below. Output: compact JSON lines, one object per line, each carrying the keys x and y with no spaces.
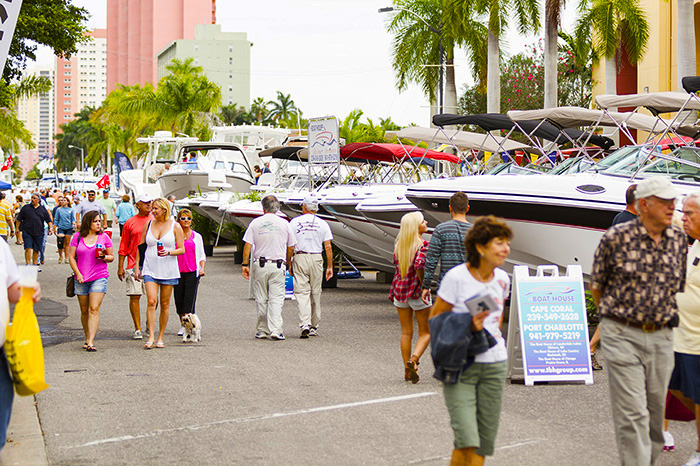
{"x":392,"y":152}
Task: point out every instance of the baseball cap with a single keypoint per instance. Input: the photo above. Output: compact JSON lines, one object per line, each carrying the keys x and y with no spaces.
{"x":145,"y":197}
{"x":105,"y":190}
{"x":311,"y":202}
{"x":657,"y":186}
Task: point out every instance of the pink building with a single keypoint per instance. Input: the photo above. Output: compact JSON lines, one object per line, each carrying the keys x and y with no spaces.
{"x":80,"y":80}
{"x":138,"y":29}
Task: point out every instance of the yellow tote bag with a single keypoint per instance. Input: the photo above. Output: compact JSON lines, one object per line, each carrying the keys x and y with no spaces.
{"x":23,"y":348}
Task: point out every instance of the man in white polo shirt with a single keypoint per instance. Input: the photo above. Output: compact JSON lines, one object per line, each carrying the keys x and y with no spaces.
{"x":274,"y":245}
{"x":313,"y":236}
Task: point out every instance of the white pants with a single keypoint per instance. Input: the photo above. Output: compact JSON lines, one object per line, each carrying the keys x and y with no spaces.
{"x":268,"y":291}
{"x":308,"y":275}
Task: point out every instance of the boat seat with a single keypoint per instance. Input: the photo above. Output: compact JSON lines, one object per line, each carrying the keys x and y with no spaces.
{"x":691,"y":84}
{"x":217,"y":179}
{"x":266,"y":179}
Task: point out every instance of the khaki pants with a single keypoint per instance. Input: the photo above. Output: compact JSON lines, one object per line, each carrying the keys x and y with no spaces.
{"x":308,"y":275}
{"x":268,"y":291}
{"x":639,"y":369}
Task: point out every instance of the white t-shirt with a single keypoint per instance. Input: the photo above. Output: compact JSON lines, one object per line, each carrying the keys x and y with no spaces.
{"x":459,"y":285}
{"x":271,"y":237}
{"x":310,"y":231}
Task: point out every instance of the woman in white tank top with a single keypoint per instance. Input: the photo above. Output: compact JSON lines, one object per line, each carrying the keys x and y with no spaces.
{"x":160,"y":269}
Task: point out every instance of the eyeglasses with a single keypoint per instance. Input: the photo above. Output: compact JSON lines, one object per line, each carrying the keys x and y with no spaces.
{"x":185,"y":218}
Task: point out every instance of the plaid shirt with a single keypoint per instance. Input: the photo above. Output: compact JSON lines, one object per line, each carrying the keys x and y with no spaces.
{"x":638,"y":278}
{"x":408,"y":287}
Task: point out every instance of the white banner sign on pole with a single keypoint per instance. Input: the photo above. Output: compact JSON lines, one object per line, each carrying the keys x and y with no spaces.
{"x":9,"y":12}
{"x":324,"y":145}
{"x":548,"y":326}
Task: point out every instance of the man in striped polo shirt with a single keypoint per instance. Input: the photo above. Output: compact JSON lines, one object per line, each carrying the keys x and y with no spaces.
{"x":447,"y":243}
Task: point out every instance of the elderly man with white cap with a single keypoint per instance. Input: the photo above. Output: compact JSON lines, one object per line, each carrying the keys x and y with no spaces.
{"x":273,"y":243}
{"x":313,"y":236}
{"x":638,"y":268}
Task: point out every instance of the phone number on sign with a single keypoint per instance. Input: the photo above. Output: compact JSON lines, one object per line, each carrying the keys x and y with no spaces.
{"x":547,"y":317}
{"x":541,"y":336}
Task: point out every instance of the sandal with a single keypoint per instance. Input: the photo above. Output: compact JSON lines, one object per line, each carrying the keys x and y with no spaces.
{"x":85,"y":345}
{"x":149,"y":345}
{"x":412,"y":367}
{"x":406,"y":374}
{"x":160,"y":344}
{"x":90,"y":349}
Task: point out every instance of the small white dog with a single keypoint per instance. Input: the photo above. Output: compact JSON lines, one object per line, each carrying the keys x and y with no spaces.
{"x":193,"y":328}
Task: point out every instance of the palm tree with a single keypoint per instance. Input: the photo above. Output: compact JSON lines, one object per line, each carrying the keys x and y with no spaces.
{"x":259,"y":110}
{"x":617,"y":25}
{"x":552,"y":21}
{"x":283,"y":108}
{"x":13,"y":133}
{"x":185,"y":100}
{"x":420,"y":28}
{"x":685,"y":40}
{"x":497,"y":14}
{"x":231,"y":114}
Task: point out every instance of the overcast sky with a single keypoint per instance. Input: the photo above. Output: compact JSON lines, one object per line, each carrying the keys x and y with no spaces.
{"x":332,"y":56}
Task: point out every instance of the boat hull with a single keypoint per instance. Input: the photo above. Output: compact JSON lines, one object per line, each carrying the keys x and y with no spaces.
{"x":183,"y":184}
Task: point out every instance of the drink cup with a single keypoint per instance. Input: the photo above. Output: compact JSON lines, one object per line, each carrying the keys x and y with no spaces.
{"x":98,"y":250}
{"x":160,"y":247}
{"x":28,"y":275}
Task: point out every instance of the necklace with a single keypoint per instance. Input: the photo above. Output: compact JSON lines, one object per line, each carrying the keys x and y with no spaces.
{"x":478,"y":276}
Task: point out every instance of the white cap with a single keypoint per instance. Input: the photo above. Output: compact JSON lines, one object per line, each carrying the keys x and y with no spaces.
{"x":311,"y":202}
{"x":145,"y":197}
{"x":656,"y":186}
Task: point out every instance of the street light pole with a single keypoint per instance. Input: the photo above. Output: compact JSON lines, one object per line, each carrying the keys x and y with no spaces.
{"x":441,"y":89}
{"x":82,"y":161}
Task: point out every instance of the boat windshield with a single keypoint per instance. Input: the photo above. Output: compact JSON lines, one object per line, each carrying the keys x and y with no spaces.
{"x":625,"y":161}
{"x":572,"y":165}
{"x":677,"y":168}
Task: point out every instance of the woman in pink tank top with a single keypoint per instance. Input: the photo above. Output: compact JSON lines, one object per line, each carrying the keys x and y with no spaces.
{"x":191,"y":265}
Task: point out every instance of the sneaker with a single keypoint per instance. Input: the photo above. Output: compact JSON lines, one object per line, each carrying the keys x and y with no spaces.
{"x":277,"y":336}
{"x":313,"y":332}
{"x":694,"y":459}
{"x":181,"y":332}
{"x":305,"y":332}
{"x":261,"y":336}
{"x":138,"y":335}
{"x":595,"y":365}
{"x":669,"y":444}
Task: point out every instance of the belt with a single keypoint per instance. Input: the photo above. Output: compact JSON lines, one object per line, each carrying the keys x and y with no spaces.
{"x":304,"y":252}
{"x":263,"y":261}
{"x":647,"y":327}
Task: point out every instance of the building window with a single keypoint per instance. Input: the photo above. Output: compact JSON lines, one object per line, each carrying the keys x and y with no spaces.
{"x":230,"y":60}
{"x":66,"y":88}
{"x":230,"y":88}
{"x":230,"y":48}
{"x":196,"y":48}
{"x":230,"y":75}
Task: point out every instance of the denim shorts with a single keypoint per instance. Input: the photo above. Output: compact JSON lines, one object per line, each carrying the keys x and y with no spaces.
{"x":95,"y":286}
{"x":164,"y":281}
{"x":415,"y":304}
{"x":33,"y":242}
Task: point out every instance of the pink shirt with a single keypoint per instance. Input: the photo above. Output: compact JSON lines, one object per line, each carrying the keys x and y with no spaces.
{"x":188,"y":260}
{"x":91,"y":267}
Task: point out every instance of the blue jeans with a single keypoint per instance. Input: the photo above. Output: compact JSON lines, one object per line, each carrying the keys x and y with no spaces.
{"x":7,"y":394}
{"x":43,"y":246}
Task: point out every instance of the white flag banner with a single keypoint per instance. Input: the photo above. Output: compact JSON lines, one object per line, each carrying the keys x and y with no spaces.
{"x":9,"y":12}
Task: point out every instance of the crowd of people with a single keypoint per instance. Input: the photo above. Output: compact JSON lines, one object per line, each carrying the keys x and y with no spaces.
{"x":645,"y":282}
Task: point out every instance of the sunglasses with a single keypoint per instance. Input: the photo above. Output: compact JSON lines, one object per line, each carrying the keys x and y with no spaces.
{"x":185,"y":218}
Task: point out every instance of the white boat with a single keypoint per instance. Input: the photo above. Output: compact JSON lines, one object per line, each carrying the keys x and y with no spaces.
{"x":190,"y":175}
{"x":162,"y":150}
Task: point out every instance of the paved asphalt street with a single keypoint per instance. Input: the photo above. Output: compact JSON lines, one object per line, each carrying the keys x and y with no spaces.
{"x":339,"y":398}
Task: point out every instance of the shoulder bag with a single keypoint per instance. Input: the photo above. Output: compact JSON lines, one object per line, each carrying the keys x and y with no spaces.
{"x":70,"y":286}
{"x":142,"y":248}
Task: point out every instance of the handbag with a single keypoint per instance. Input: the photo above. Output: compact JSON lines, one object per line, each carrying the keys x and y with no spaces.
{"x":70,"y":286}
{"x":24,"y":350}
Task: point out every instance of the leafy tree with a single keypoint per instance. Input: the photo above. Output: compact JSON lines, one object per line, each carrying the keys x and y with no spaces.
{"x":259,"y":111}
{"x":420,"y":27}
{"x":185,"y":101}
{"x":283,"y":108}
{"x":33,"y":174}
{"x":13,"y":133}
{"x":233,"y":115}
{"x":353,"y":130}
{"x":54,"y":23}
{"x":522,"y":81}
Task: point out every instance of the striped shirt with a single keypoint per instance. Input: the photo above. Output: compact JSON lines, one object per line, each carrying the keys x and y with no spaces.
{"x":5,"y":218}
{"x":447,"y":248}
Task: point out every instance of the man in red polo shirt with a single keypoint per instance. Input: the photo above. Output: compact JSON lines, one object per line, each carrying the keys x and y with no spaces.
{"x":128,"y":247}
